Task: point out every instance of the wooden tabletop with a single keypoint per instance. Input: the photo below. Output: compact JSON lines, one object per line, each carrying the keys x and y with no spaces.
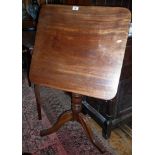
{"x":80,"y":50}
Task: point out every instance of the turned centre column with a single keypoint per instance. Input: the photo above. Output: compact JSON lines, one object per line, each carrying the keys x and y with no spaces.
{"x":76,"y":104}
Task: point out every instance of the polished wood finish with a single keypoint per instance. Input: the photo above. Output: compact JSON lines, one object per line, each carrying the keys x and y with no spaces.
{"x":80,"y":51}
{"x":115,"y":3}
{"x":110,"y":114}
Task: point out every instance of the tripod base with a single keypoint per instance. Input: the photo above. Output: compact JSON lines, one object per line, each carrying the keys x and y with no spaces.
{"x":74,"y":114}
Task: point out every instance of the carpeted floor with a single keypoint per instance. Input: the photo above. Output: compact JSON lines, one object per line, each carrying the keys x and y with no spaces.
{"x":68,"y":140}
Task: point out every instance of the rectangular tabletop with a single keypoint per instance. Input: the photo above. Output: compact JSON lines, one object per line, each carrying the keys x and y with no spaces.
{"x":80,"y":50}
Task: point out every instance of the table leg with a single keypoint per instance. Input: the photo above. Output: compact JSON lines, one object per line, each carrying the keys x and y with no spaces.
{"x":83,"y":120}
{"x":38,"y":100}
{"x":65,"y":117}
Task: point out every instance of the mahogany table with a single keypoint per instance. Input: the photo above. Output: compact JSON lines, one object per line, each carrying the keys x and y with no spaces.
{"x":79,"y":49}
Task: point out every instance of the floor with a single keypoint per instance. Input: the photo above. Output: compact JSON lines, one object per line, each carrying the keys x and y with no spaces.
{"x":120,"y":140}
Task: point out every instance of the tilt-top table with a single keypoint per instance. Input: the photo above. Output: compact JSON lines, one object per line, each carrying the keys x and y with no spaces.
{"x":79,"y":49}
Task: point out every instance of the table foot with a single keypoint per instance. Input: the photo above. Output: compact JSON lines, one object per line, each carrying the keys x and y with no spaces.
{"x":84,"y":121}
{"x":65,"y":117}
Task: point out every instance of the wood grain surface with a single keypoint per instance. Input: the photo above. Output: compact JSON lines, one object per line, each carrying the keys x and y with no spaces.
{"x":80,"y":51}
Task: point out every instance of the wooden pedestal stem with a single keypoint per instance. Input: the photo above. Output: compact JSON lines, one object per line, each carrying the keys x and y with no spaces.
{"x":76,"y":105}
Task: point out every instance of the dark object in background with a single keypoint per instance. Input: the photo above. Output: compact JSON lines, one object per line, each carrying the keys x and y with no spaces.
{"x":30,"y":12}
{"x":33,"y":9}
{"x":25,"y":153}
{"x":26,"y":61}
